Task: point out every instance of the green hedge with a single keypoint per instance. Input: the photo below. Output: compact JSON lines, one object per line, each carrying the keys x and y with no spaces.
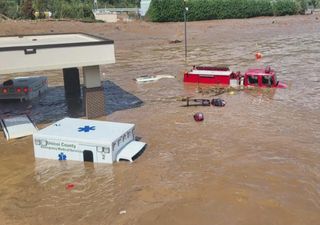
{"x":285,"y":7}
{"x":166,"y":10}
{"x":172,"y":10}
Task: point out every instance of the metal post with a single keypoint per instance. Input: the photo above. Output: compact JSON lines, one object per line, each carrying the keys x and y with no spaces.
{"x":185,"y":32}
{"x":95,"y":4}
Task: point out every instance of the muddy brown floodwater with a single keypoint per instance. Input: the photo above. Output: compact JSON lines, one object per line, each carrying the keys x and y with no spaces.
{"x":255,"y":161}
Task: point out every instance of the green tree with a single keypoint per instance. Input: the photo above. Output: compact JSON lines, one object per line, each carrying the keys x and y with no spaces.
{"x":3,"y":7}
{"x":27,"y":10}
{"x":40,"y":5}
{"x":314,"y":3}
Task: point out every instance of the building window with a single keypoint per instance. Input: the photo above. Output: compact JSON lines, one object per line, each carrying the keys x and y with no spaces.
{"x":106,"y":150}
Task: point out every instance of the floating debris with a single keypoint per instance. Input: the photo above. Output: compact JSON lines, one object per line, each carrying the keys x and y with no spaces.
{"x":204,"y":102}
{"x":122,"y":212}
{"x":198,"y":116}
{"x":258,"y":55}
{"x":218,"y":102}
{"x":70,"y":186}
{"x":197,"y":101}
{"x":211,"y":91}
{"x":147,"y":78}
{"x":175,"y":42}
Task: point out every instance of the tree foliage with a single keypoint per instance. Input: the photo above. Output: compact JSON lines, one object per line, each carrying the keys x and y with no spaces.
{"x":285,"y":7}
{"x":71,"y":9}
{"x":160,"y":10}
{"x":27,"y":10}
{"x":164,"y":11}
{"x":172,"y":10}
{"x":75,"y":9}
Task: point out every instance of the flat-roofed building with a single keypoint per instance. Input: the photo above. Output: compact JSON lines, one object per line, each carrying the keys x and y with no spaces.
{"x":25,"y":53}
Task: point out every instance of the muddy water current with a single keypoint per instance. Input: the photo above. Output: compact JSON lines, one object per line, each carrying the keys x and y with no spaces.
{"x":254,"y":161}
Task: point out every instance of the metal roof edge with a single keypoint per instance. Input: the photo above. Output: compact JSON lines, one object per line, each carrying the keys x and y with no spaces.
{"x":89,"y":43}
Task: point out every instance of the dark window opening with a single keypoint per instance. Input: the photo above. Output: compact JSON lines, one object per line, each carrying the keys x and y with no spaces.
{"x":267,"y":80}
{"x":139,"y":153}
{"x":253,"y":80}
{"x":87,"y":156}
{"x":126,"y":160}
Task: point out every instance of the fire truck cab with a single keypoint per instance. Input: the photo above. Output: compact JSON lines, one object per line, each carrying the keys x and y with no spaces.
{"x":262,"y":78}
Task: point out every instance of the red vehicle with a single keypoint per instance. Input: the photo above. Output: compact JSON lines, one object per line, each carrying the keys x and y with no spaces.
{"x":225,"y":77}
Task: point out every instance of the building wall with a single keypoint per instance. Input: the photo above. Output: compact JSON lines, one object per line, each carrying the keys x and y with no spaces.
{"x":144,"y":6}
{"x":109,"y":18}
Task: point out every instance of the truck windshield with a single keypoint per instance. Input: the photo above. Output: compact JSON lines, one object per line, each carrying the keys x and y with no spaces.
{"x":267,"y":80}
{"x":138,"y":154}
{"x":253,"y":80}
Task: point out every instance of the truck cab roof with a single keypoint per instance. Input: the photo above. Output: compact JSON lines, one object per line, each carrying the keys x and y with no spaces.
{"x":260,"y":72}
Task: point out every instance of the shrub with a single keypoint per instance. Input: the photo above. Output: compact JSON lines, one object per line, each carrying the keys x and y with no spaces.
{"x":27,"y":10}
{"x":166,"y":10}
{"x":9,"y":8}
{"x":72,"y":10}
{"x":3,"y":7}
{"x":285,"y":7}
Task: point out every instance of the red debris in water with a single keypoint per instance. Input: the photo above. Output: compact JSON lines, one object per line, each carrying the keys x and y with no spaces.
{"x":69,"y":186}
{"x":198,"y":116}
{"x":258,"y":55}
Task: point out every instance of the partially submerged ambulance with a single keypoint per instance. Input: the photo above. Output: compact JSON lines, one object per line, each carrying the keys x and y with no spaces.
{"x":87,"y":140}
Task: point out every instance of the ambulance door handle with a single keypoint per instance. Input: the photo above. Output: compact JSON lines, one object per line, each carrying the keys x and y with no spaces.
{"x":29,"y":51}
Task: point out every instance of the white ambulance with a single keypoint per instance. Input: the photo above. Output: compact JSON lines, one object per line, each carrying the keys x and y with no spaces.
{"x":88,"y":140}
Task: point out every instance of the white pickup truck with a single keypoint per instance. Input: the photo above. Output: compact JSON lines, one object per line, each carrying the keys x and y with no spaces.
{"x":23,"y":88}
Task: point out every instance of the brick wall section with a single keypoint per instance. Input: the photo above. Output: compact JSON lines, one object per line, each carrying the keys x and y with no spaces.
{"x":94,"y":102}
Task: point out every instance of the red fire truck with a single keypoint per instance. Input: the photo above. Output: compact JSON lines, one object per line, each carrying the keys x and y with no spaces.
{"x":223,"y":76}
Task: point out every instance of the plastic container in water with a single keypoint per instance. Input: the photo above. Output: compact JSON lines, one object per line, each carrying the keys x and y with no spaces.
{"x":198,"y":116}
{"x":218,"y":102}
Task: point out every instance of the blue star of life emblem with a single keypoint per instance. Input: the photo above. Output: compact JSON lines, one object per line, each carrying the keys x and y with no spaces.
{"x":62,"y":156}
{"x":86,"y":129}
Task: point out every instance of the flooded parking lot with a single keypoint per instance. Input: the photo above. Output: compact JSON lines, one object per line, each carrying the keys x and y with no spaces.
{"x":254,"y":161}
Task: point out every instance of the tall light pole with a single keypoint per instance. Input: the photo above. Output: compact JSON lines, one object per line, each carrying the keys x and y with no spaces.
{"x":95,"y":4}
{"x":185,"y":31}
